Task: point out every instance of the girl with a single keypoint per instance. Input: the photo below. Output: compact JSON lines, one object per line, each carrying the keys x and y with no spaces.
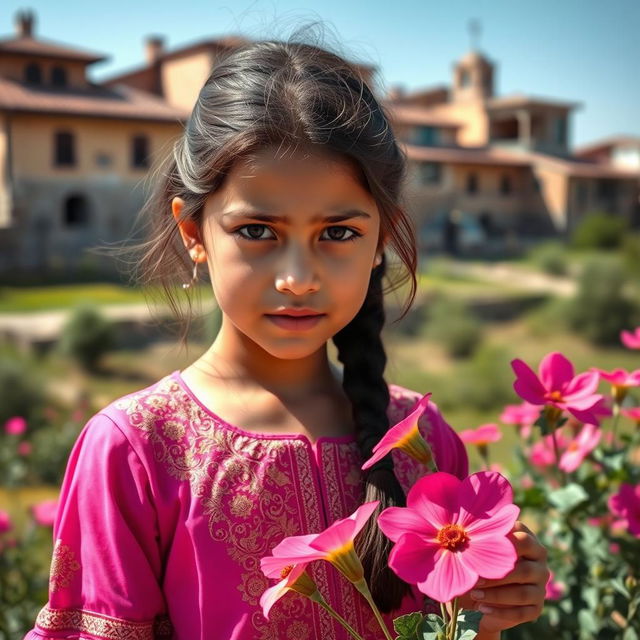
{"x":286,"y":185}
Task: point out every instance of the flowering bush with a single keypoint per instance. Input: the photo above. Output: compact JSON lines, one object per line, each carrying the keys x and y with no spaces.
{"x":579,"y":485}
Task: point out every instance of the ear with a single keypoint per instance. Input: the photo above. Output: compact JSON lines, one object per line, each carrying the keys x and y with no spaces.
{"x":189,"y":232}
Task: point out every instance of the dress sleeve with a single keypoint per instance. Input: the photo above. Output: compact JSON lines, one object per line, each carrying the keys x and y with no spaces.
{"x":106,"y":567}
{"x":449,"y":450}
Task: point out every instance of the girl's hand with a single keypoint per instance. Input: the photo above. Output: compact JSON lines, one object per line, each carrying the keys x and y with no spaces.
{"x":519,"y":596}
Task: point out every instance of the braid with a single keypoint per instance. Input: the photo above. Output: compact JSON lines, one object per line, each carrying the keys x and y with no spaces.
{"x":361,"y":351}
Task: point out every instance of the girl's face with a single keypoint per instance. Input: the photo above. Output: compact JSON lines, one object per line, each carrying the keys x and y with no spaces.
{"x":284,"y":235}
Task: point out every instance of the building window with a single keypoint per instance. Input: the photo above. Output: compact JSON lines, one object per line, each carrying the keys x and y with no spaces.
{"x":59,"y":77}
{"x":33,"y":74}
{"x":64,"y":149}
{"x":426,"y":136}
{"x":472,"y":183}
{"x":140,"y":152}
{"x":76,"y":211}
{"x":560,"y":130}
{"x":465,"y":78}
{"x":430,"y":172}
{"x":506,"y":188}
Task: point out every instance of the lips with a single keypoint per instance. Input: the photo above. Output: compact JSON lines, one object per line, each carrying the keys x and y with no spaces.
{"x":296,"y":319}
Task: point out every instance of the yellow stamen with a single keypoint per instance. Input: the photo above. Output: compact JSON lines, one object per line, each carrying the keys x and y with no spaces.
{"x":452,"y":537}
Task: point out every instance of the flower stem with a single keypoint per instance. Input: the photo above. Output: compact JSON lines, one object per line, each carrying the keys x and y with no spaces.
{"x":614,"y":427}
{"x":363,"y":588}
{"x":317,"y":597}
{"x":454,"y":619}
{"x":443,"y":611}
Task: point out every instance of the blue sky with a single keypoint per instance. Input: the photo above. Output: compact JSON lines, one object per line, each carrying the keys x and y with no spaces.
{"x":586,"y":51}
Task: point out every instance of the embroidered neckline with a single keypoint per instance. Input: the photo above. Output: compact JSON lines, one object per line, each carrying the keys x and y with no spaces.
{"x":346,"y":439}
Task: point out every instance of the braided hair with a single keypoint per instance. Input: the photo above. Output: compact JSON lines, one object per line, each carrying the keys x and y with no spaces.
{"x":362,"y":353}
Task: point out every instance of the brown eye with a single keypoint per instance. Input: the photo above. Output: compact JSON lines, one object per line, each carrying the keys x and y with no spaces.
{"x":254,"y":232}
{"x":340,"y":233}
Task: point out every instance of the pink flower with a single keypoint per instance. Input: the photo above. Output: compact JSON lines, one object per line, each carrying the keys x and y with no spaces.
{"x":633,"y":413}
{"x":626,"y":504}
{"x":451,"y":532}
{"x":580,"y":447}
{"x":15,"y":425}
{"x":554,"y":590}
{"x":524,"y":415}
{"x":483,"y":435}
{"x":294,"y":578}
{"x":24,"y":448}
{"x":631,"y":339}
{"x":406,"y":436}
{"x":334,"y":544}
{"x":557,"y":386}
{"x":5,"y":521}
{"x":620,"y":377}
{"x":45,"y":511}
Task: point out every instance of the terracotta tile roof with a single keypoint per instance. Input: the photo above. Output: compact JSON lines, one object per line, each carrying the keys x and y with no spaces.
{"x":116,"y":102}
{"x":489,"y":156}
{"x":583,"y":169}
{"x":462,"y":155}
{"x":419,"y":115}
{"x":26,"y":45}
{"x":608,"y":143}
{"x":521,"y":100}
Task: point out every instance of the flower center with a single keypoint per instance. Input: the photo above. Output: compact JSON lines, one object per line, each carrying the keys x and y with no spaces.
{"x":452,"y":537}
{"x":555,"y":395}
{"x":286,"y":571}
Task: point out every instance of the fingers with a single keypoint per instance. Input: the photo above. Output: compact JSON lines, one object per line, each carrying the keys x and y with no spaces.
{"x":500,"y":619}
{"x":524,"y":572}
{"x":510,"y":595}
{"x":527,"y":545}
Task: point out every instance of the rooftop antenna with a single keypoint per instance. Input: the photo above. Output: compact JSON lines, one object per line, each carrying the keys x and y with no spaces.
{"x":475,"y":30}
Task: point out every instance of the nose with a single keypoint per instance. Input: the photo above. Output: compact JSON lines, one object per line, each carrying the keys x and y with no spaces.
{"x":296,"y":273}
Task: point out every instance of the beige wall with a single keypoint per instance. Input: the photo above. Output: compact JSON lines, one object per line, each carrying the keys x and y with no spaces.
{"x":33,"y":145}
{"x":13,"y":67}
{"x":5,"y":195}
{"x":182,"y":78}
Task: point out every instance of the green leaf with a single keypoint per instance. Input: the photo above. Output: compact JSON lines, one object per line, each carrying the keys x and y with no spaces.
{"x":568,"y":498}
{"x":468,"y":624}
{"x":406,"y":626}
{"x":431,"y":628}
{"x":630,"y":634}
{"x":587,"y":621}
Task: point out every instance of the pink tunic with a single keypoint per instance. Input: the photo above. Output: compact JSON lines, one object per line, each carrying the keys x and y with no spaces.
{"x":166,"y":509}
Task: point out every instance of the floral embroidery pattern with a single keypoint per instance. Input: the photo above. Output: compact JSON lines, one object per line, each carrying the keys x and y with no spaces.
{"x":63,"y":566}
{"x":255,"y":491}
{"x":102,"y":626}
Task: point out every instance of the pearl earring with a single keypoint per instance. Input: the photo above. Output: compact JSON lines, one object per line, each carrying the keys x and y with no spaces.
{"x":194,"y":277}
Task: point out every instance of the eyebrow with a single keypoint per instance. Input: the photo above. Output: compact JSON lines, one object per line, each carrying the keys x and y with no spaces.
{"x":346,"y":214}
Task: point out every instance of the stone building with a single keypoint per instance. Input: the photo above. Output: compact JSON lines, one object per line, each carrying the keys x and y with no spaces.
{"x":76,"y":156}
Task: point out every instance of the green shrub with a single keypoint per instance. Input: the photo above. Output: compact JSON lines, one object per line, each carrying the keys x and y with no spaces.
{"x":631,"y":254}
{"x":21,"y":390}
{"x":484,"y":383}
{"x":451,"y":323}
{"x":86,"y":336}
{"x":600,"y":309}
{"x":549,"y":318}
{"x":599,"y":231}
{"x":551,"y":257}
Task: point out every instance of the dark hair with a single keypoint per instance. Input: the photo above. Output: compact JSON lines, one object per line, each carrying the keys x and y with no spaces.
{"x":295,"y":94}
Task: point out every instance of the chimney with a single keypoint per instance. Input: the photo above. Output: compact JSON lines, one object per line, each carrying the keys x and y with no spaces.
{"x":24,"y":23}
{"x":154,"y":48}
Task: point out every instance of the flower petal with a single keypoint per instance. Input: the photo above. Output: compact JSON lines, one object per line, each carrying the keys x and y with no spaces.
{"x":527,"y":384}
{"x":482,"y":494}
{"x":498,"y":524}
{"x":556,"y":371}
{"x":490,"y":557}
{"x":395,"y":521}
{"x":412,"y":558}
{"x":436,"y":498}
{"x":449,"y":578}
